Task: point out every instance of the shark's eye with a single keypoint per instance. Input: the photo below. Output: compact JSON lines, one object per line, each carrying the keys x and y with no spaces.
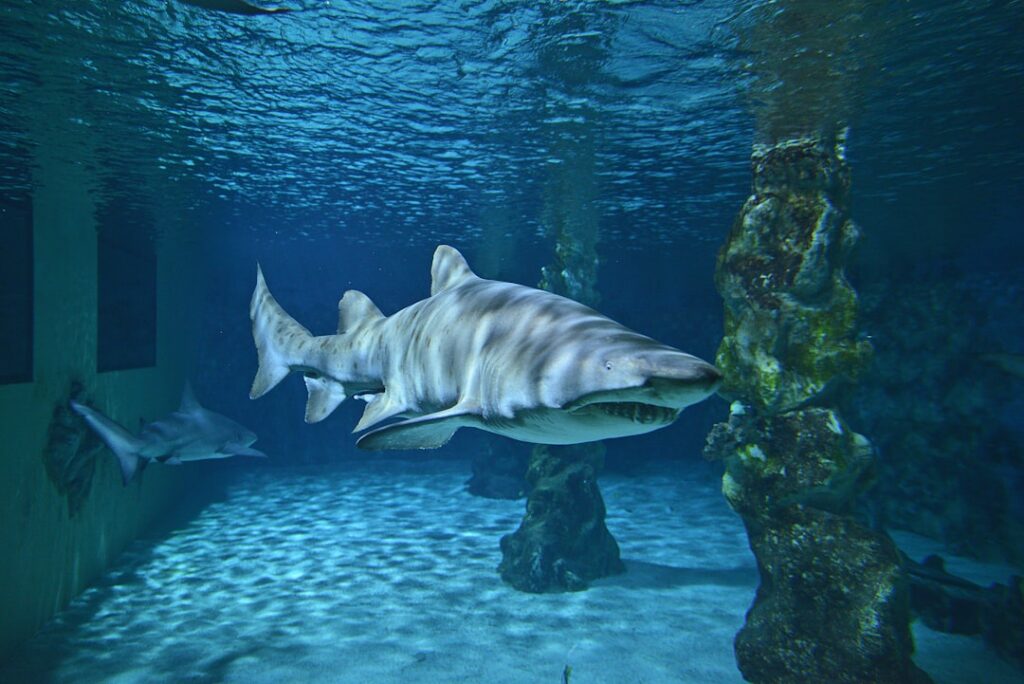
{"x":607,"y":365}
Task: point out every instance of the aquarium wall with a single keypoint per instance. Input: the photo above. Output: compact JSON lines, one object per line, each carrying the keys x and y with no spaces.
{"x":99,"y":311}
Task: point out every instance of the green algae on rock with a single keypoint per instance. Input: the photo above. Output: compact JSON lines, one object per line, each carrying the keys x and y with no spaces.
{"x":832,"y":602}
{"x":790,"y":323}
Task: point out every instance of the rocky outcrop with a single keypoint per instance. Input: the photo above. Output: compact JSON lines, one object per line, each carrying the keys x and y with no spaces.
{"x":832,"y":604}
{"x":931,"y":401}
{"x":71,"y":452}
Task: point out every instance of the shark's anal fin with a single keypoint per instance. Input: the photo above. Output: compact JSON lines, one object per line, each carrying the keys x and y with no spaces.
{"x":325,"y":395}
{"x":426,"y":432}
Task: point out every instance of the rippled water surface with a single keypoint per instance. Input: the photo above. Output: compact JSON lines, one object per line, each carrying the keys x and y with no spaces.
{"x":435,"y":119}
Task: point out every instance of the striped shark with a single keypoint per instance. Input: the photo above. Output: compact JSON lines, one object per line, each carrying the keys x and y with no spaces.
{"x":492,"y":355}
{"x":192,"y":433}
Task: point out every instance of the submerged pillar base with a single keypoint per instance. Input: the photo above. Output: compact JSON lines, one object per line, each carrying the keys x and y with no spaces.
{"x":832,"y":604}
{"x":562,"y":543}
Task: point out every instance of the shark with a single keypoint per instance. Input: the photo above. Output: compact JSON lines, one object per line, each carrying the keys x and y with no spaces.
{"x":243,"y":7}
{"x":501,"y":357}
{"x":192,"y":433}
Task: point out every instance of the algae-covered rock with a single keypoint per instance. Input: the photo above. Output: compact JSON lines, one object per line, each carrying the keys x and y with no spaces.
{"x":832,"y":604}
{"x":808,"y":457}
{"x":562,"y":543}
{"x":790,"y":323}
{"x":71,"y":452}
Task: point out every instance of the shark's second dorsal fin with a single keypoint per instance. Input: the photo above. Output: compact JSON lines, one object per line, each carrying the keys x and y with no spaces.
{"x":354,"y":309}
{"x":448,"y":270}
{"x":188,"y":399}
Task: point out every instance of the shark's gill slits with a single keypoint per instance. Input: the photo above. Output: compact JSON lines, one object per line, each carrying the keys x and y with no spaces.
{"x":645,"y":414}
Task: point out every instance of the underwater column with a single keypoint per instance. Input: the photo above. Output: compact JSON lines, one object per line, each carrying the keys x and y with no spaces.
{"x":562,"y":543}
{"x":832,"y":604}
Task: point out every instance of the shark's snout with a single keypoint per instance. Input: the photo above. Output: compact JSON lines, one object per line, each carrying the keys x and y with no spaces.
{"x":681,"y":380}
{"x":703,"y":373}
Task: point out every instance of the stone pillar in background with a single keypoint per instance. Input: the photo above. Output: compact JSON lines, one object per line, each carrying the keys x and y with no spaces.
{"x":562,"y":543}
{"x":832,"y":605}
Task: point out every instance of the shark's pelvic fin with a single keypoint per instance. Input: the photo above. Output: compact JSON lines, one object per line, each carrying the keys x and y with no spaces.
{"x":124,"y":444}
{"x":355,"y":309}
{"x":324,"y":396}
{"x":277,"y":337}
{"x":382,"y":407}
{"x":448,"y":270}
{"x":426,"y":432}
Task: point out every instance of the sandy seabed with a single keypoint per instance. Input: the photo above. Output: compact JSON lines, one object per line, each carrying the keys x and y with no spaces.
{"x":385,"y":571}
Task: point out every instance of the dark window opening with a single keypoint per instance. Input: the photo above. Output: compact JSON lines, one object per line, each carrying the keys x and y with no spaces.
{"x":16,"y":273}
{"x":126,"y":258}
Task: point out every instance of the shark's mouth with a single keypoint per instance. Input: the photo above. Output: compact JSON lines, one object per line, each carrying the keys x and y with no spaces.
{"x":633,"y":411}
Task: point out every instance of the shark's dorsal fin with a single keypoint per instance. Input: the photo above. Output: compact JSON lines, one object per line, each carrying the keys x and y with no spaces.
{"x":188,"y":399}
{"x":448,"y":270}
{"x":355,"y":308}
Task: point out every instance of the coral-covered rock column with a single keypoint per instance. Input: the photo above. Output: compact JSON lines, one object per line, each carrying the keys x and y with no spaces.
{"x":831,"y":605}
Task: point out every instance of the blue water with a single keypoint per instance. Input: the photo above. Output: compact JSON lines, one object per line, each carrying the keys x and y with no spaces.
{"x":338,"y":144}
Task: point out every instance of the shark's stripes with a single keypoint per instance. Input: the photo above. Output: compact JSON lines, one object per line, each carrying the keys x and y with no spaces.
{"x":482,"y":353}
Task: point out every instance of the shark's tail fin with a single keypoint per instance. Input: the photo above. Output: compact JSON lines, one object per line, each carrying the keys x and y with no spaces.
{"x":278,"y":337}
{"x":124,"y":445}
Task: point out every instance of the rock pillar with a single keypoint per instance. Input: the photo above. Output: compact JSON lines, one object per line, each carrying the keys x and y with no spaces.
{"x":563,"y":543}
{"x":832,"y":605}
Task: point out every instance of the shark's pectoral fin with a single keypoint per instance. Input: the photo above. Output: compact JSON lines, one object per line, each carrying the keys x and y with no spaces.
{"x":324,"y":396}
{"x":240,"y":450}
{"x":426,"y":432}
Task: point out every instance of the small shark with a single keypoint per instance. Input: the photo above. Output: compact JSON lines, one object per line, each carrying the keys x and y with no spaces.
{"x":189,"y":434}
{"x":236,"y":7}
{"x":501,"y":357}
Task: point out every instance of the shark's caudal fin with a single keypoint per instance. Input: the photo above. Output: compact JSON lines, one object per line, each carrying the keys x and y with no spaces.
{"x":124,"y":445}
{"x":278,"y":337}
